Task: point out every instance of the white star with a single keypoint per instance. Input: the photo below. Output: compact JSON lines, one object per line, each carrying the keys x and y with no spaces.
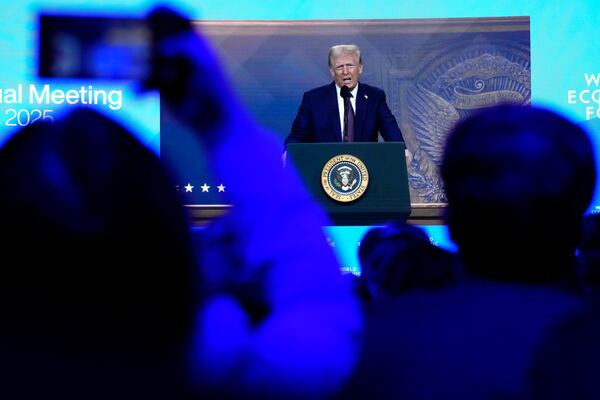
{"x":221,"y":187}
{"x":188,"y":188}
{"x":205,"y":187}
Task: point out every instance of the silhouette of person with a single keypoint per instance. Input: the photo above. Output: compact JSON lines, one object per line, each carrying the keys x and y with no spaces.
{"x":399,"y":257}
{"x":97,"y":288}
{"x":518,"y":181}
{"x":280,"y":321}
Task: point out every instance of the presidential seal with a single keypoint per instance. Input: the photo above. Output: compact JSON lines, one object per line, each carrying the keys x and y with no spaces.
{"x":344,"y":178}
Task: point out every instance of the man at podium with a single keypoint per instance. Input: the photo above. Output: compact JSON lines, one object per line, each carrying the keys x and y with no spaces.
{"x":344,"y":110}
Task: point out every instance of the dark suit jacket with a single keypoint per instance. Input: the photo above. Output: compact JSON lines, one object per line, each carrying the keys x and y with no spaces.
{"x":318,"y":118}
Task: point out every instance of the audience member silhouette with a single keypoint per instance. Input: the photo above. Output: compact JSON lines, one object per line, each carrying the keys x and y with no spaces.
{"x":97,"y":283}
{"x":281,"y":321}
{"x":399,"y":257}
{"x":518,"y":181}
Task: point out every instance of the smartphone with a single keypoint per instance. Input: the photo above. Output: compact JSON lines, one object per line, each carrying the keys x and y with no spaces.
{"x":97,"y":47}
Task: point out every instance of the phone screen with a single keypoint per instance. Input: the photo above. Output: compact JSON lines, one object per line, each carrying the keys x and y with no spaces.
{"x":94,"y":47}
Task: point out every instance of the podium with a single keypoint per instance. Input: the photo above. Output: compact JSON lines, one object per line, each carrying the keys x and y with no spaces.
{"x":356,"y":183}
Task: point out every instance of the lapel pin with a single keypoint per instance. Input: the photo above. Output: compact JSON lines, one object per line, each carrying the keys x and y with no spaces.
{"x":366,"y":97}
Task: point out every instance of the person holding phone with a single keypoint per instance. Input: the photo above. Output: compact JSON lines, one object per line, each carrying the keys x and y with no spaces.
{"x":280,"y":320}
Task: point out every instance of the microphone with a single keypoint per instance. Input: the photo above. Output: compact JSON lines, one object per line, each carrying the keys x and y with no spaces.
{"x":345,"y":92}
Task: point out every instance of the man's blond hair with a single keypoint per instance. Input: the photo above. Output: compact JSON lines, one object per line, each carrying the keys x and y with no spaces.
{"x":338,"y":50}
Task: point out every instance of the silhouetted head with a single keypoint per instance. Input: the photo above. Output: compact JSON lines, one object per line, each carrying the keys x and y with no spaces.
{"x":399,"y":257}
{"x":97,"y":263}
{"x":518,"y":181}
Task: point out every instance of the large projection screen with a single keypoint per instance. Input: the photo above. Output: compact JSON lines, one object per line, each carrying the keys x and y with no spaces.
{"x":435,"y":72}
